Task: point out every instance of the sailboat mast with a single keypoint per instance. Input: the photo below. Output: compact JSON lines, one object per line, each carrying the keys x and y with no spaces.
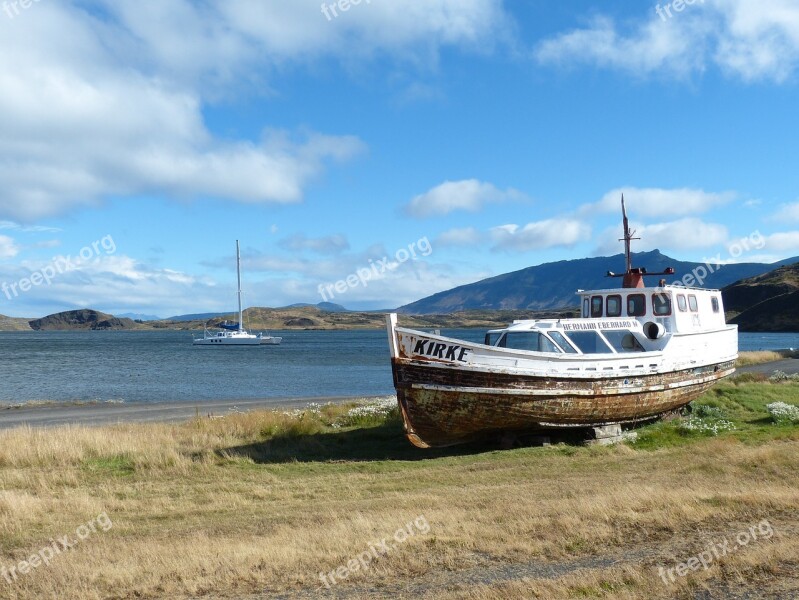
{"x":238,"y":276}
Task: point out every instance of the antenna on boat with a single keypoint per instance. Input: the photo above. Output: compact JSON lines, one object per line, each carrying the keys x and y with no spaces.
{"x":633,"y":277}
{"x":628,"y":237}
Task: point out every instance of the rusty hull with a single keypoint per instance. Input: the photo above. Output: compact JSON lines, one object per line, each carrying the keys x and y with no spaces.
{"x":444,"y":406}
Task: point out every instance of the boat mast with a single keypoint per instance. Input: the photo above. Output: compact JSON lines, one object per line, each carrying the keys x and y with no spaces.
{"x":238,"y":276}
{"x":633,"y":277}
{"x":628,"y":238}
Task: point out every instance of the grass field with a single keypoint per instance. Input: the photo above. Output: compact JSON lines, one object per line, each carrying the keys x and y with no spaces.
{"x":259,"y":505}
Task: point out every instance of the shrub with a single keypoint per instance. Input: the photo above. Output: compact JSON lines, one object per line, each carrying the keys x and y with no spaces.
{"x":705,"y":420}
{"x":779,"y":377}
{"x":783,"y":413}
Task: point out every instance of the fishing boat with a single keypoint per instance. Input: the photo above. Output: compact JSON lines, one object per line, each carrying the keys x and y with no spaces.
{"x":234,"y":334}
{"x":634,"y":353}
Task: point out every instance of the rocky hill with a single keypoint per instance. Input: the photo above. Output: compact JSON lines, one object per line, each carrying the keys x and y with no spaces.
{"x":768,"y":302}
{"x":81,"y":319}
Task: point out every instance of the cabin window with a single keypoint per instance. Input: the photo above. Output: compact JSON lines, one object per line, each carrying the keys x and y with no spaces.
{"x":562,"y":342}
{"x":596,"y":307}
{"x":636,"y":305}
{"x":692,"y":304}
{"x":681,"y":303}
{"x":623,"y":341}
{"x":715,"y":302}
{"x":528,"y":340}
{"x":589,"y":342}
{"x":492,"y":338}
{"x":661,"y":305}
{"x":585,"y":308}
{"x":613,"y":307}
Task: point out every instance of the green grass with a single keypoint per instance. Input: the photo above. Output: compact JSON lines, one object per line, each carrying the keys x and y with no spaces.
{"x":741,"y":402}
{"x":119,"y":466}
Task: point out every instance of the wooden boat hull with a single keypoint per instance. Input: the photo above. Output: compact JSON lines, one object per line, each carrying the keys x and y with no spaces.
{"x":443,"y":406}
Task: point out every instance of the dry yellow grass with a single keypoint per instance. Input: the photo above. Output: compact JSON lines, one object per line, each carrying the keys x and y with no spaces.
{"x":207,"y":509}
{"x":758,"y":357}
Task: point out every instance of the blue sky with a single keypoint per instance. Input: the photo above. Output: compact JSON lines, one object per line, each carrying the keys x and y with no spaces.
{"x":501,"y":135}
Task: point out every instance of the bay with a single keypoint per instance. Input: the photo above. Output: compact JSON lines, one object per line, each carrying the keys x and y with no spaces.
{"x":163,"y":366}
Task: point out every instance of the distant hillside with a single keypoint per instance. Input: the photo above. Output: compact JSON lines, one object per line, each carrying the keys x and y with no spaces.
{"x":328,"y":306}
{"x":139,"y":316}
{"x":323,"y":306}
{"x":81,"y":319}
{"x":259,"y":319}
{"x":194,"y":317}
{"x":309,"y":317}
{"x":13,"y":324}
{"x":553,"y":285}
{"x":768,"y":302}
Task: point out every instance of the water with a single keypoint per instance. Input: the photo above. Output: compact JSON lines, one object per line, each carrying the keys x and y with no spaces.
{"x":163,"y":366}
{"x":767,"y":341}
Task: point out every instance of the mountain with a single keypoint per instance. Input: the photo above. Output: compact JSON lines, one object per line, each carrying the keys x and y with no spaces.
{"x":768,"y":302}
{"x":195,"y":317}
{"x":139,"y":317}
{"x":81,"y":319}
{"x":553,"y":285}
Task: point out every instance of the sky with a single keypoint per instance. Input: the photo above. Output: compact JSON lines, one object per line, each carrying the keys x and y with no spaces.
{"x":373,"y":153}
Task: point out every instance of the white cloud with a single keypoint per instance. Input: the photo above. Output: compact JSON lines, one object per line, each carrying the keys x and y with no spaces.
{"x":658,"y":202}
{"x":109,"y":282}
{"x":788,"y":212}
{"x":331,"y":244}
{"x":105,"y":99}
{"x":540,"y":235}
{"x":468,"y":194}
{"x":468,"y":236}
{"x":652,"y":47}
{"x":748,"y":39}
{"x":28,"y":228}
{"x":787,"y":241}
{"x":8,"y":247}
{"x":672,"y":236}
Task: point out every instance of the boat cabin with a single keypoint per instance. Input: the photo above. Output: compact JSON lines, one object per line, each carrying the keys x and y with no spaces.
{"x":675,"y":308}
{"x":618,"y":321}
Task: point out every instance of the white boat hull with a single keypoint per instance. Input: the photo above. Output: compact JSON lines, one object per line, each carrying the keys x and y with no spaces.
{"x":228,"y":339}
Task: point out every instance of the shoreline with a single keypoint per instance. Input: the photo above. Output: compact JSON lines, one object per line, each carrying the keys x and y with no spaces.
{"x":112,"y":413}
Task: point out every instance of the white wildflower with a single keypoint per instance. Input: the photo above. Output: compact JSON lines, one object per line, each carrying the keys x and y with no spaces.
{"x":782,"y":412}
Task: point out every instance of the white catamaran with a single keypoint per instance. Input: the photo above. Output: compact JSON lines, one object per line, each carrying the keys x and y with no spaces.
{"x":235,"y":334}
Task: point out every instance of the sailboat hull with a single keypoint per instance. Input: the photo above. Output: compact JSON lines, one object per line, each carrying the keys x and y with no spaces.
{"x":225,"y":339}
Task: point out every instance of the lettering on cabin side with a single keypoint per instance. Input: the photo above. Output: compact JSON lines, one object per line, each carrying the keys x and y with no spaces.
{"x":433,"y":349}
{"x":599,"y":326}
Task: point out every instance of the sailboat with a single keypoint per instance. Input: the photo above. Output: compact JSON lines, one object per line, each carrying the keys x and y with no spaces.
{"x":235,"y":334}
